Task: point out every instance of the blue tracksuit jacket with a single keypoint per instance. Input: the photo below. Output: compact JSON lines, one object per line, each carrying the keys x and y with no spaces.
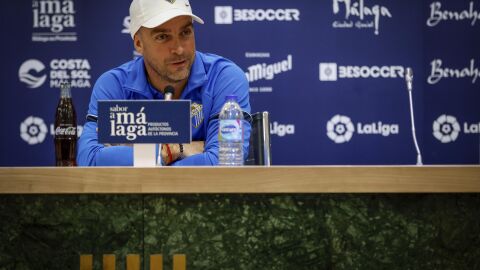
{"x":211,"y":79}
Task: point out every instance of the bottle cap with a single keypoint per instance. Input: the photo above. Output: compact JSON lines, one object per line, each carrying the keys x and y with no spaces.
{"x":65,"y":85}
{"x":228,"y":97}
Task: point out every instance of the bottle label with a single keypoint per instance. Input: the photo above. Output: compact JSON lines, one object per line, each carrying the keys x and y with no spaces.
{"x":65,"y":131}
{"x":230,"y":130}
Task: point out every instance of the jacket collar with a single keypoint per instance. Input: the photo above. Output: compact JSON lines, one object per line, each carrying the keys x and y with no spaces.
{"x":198,"y":76}
{"x":137,"y":78}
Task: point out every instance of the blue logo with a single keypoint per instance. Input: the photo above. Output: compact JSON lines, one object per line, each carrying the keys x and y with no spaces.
{"x":229,"y":129}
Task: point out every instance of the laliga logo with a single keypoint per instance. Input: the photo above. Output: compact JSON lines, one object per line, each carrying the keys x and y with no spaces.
{"x":446,"y":128}
{"x":33,"y":130}
{"x":281,"y":130}
{"x":340,"y":129}
{"x":26,"y":77}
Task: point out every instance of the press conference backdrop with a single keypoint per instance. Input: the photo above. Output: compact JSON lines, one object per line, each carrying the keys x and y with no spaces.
{"x":330,"y":72}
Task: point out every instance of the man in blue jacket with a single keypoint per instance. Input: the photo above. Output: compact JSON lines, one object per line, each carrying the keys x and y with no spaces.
{"x":162,"y":32}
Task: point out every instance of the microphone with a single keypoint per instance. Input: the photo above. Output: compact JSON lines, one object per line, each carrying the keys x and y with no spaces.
{"x":409,"y":81}
{"x":409,"y":78}
{"x":168,"y":92}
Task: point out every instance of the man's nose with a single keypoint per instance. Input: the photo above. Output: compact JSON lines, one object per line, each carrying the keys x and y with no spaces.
{"x":177,"y":47}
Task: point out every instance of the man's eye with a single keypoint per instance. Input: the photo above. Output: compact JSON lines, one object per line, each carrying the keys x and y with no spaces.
{"x":161,"y":37}
{"x":187,"y":32}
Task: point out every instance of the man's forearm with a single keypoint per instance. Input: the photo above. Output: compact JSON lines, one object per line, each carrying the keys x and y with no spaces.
{"x":175,"y":152}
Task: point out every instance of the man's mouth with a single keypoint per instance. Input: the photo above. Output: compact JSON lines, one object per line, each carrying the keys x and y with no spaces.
{"x":179,"y":63}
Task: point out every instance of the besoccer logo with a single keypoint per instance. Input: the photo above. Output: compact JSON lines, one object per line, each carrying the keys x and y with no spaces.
{"x":340,"y":129}
{"x":328,"y":71}
{"x":223,"y":15}
{"x":126,"y":25}
{"x":33,"y":130}
{"x":26,"y":76}
{"x":227,"y":15}
{"x":446,"y":128}
{"x":334,"y":71}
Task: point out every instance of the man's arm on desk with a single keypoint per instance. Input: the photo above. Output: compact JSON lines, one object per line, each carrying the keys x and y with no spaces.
{"x":92,"y":153}
{"x":230,"y":81}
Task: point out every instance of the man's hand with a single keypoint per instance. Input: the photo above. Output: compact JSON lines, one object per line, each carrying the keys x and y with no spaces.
{"x":171,"y":152}
{"x":193,"y":148}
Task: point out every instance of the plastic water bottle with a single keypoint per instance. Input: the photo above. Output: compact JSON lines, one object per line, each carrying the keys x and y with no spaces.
{"x":230,"y":133}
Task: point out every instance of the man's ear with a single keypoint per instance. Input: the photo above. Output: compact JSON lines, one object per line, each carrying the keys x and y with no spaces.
{"x":137,"y":43}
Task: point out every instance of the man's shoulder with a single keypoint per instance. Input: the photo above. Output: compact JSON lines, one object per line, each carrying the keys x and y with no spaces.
{"x":215,"y":64}
{"x":122,"y":72}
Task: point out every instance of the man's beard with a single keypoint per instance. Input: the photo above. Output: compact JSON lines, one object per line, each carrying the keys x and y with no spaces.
{"x":172,"y":77}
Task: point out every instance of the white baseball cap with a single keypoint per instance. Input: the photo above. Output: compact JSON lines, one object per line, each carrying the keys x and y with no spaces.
{"x":152,"y":13}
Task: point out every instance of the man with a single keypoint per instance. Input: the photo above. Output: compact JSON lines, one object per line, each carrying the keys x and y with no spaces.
{"x":163,"y":34}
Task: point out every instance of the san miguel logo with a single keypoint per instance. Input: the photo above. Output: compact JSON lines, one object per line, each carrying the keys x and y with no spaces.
{"x":263,"y":72}
{"x":359,"y":15}
{"x":268,"y":71}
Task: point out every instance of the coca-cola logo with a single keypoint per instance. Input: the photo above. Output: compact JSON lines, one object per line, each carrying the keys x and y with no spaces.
{"x":65,"y":131}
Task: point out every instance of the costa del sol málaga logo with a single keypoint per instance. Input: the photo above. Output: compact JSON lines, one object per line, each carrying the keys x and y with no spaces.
{"x":33,"y":130}
{"x":26,"y":76}
{"x":340,"y":129}
{"x":446,"y":128}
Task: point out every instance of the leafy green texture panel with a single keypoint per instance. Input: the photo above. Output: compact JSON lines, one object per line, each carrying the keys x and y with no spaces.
{"x":316,"y":231}
{"x":51,"y":231}
{"x":324,"y":231}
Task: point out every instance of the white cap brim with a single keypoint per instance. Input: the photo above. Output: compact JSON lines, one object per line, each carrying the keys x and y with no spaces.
{"x":166,"y":16}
